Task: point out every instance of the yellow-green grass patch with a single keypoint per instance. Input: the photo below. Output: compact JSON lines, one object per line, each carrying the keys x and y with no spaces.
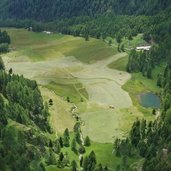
{"x":105,"y":125}
{"x":40,"y":46}
{"x":119,"y":64}
{"x":65,"y":90}
{"x":61,"y":116}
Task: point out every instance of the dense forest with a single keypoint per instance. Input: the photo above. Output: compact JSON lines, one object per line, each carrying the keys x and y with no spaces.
{"x":101,"y":18}
{"x":55,"y":9}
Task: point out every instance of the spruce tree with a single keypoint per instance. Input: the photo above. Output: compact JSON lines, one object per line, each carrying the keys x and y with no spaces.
{"x":87,"y":141}
{"x":73,"y":166}
{"x":74,"y":146}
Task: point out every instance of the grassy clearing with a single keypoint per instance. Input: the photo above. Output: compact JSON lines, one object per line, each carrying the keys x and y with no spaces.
{"x":120,"y":64}
{"x":136,"y":41}
{"x":39,"y":46}
{"x":128,"y":44}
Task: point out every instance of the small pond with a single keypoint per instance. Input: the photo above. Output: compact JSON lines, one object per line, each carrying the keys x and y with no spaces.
{"x":149,"y":100}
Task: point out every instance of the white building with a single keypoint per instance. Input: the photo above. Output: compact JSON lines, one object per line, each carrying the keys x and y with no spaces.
{"x":143,"y":48}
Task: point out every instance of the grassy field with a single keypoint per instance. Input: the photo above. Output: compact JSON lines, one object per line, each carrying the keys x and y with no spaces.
{"x":40,"y":46}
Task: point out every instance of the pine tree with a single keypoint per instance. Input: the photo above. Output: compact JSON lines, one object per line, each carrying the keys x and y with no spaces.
{"x":19,"y":119}
{"x":149,"y":73}
{"x":154,"y":112}
{"x":78,"y":137}
{"x":105,"y":168}
{"x":74,"y":166}
{"x":66,"y":132}
{"x":66,"y":141}
{"x":86,"y":164}
{"x":87,"y":141}
{"x":169,"y":147}
{"x":50,"y":144}
{"x":86,"y":37}
{"x":68,"y":99}
{"x":50,"y":102}
{"x":61,"y":157}
{"x":110,"y":42}
{"x":66,"y":138}
{"x":122,"y":48}
{"x":42,"y":167}
{"x":74,"y":146}
{"x":52,"y":159}
{"x":82,"y":150}
{"x":99,"y":167}
{"x":119,"y":38}
{"x":57,"y":147}
{"x":142,"y":148}
{"x":81,"y":161}
{"x":61,"y":142}
{"x":2,"y":66}
{"x":10,"y":71}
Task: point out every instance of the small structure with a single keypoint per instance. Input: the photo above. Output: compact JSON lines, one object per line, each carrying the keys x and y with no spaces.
{"x":47,"y":32}
{"x":30,"y":28}
{"x":143,"y":48}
